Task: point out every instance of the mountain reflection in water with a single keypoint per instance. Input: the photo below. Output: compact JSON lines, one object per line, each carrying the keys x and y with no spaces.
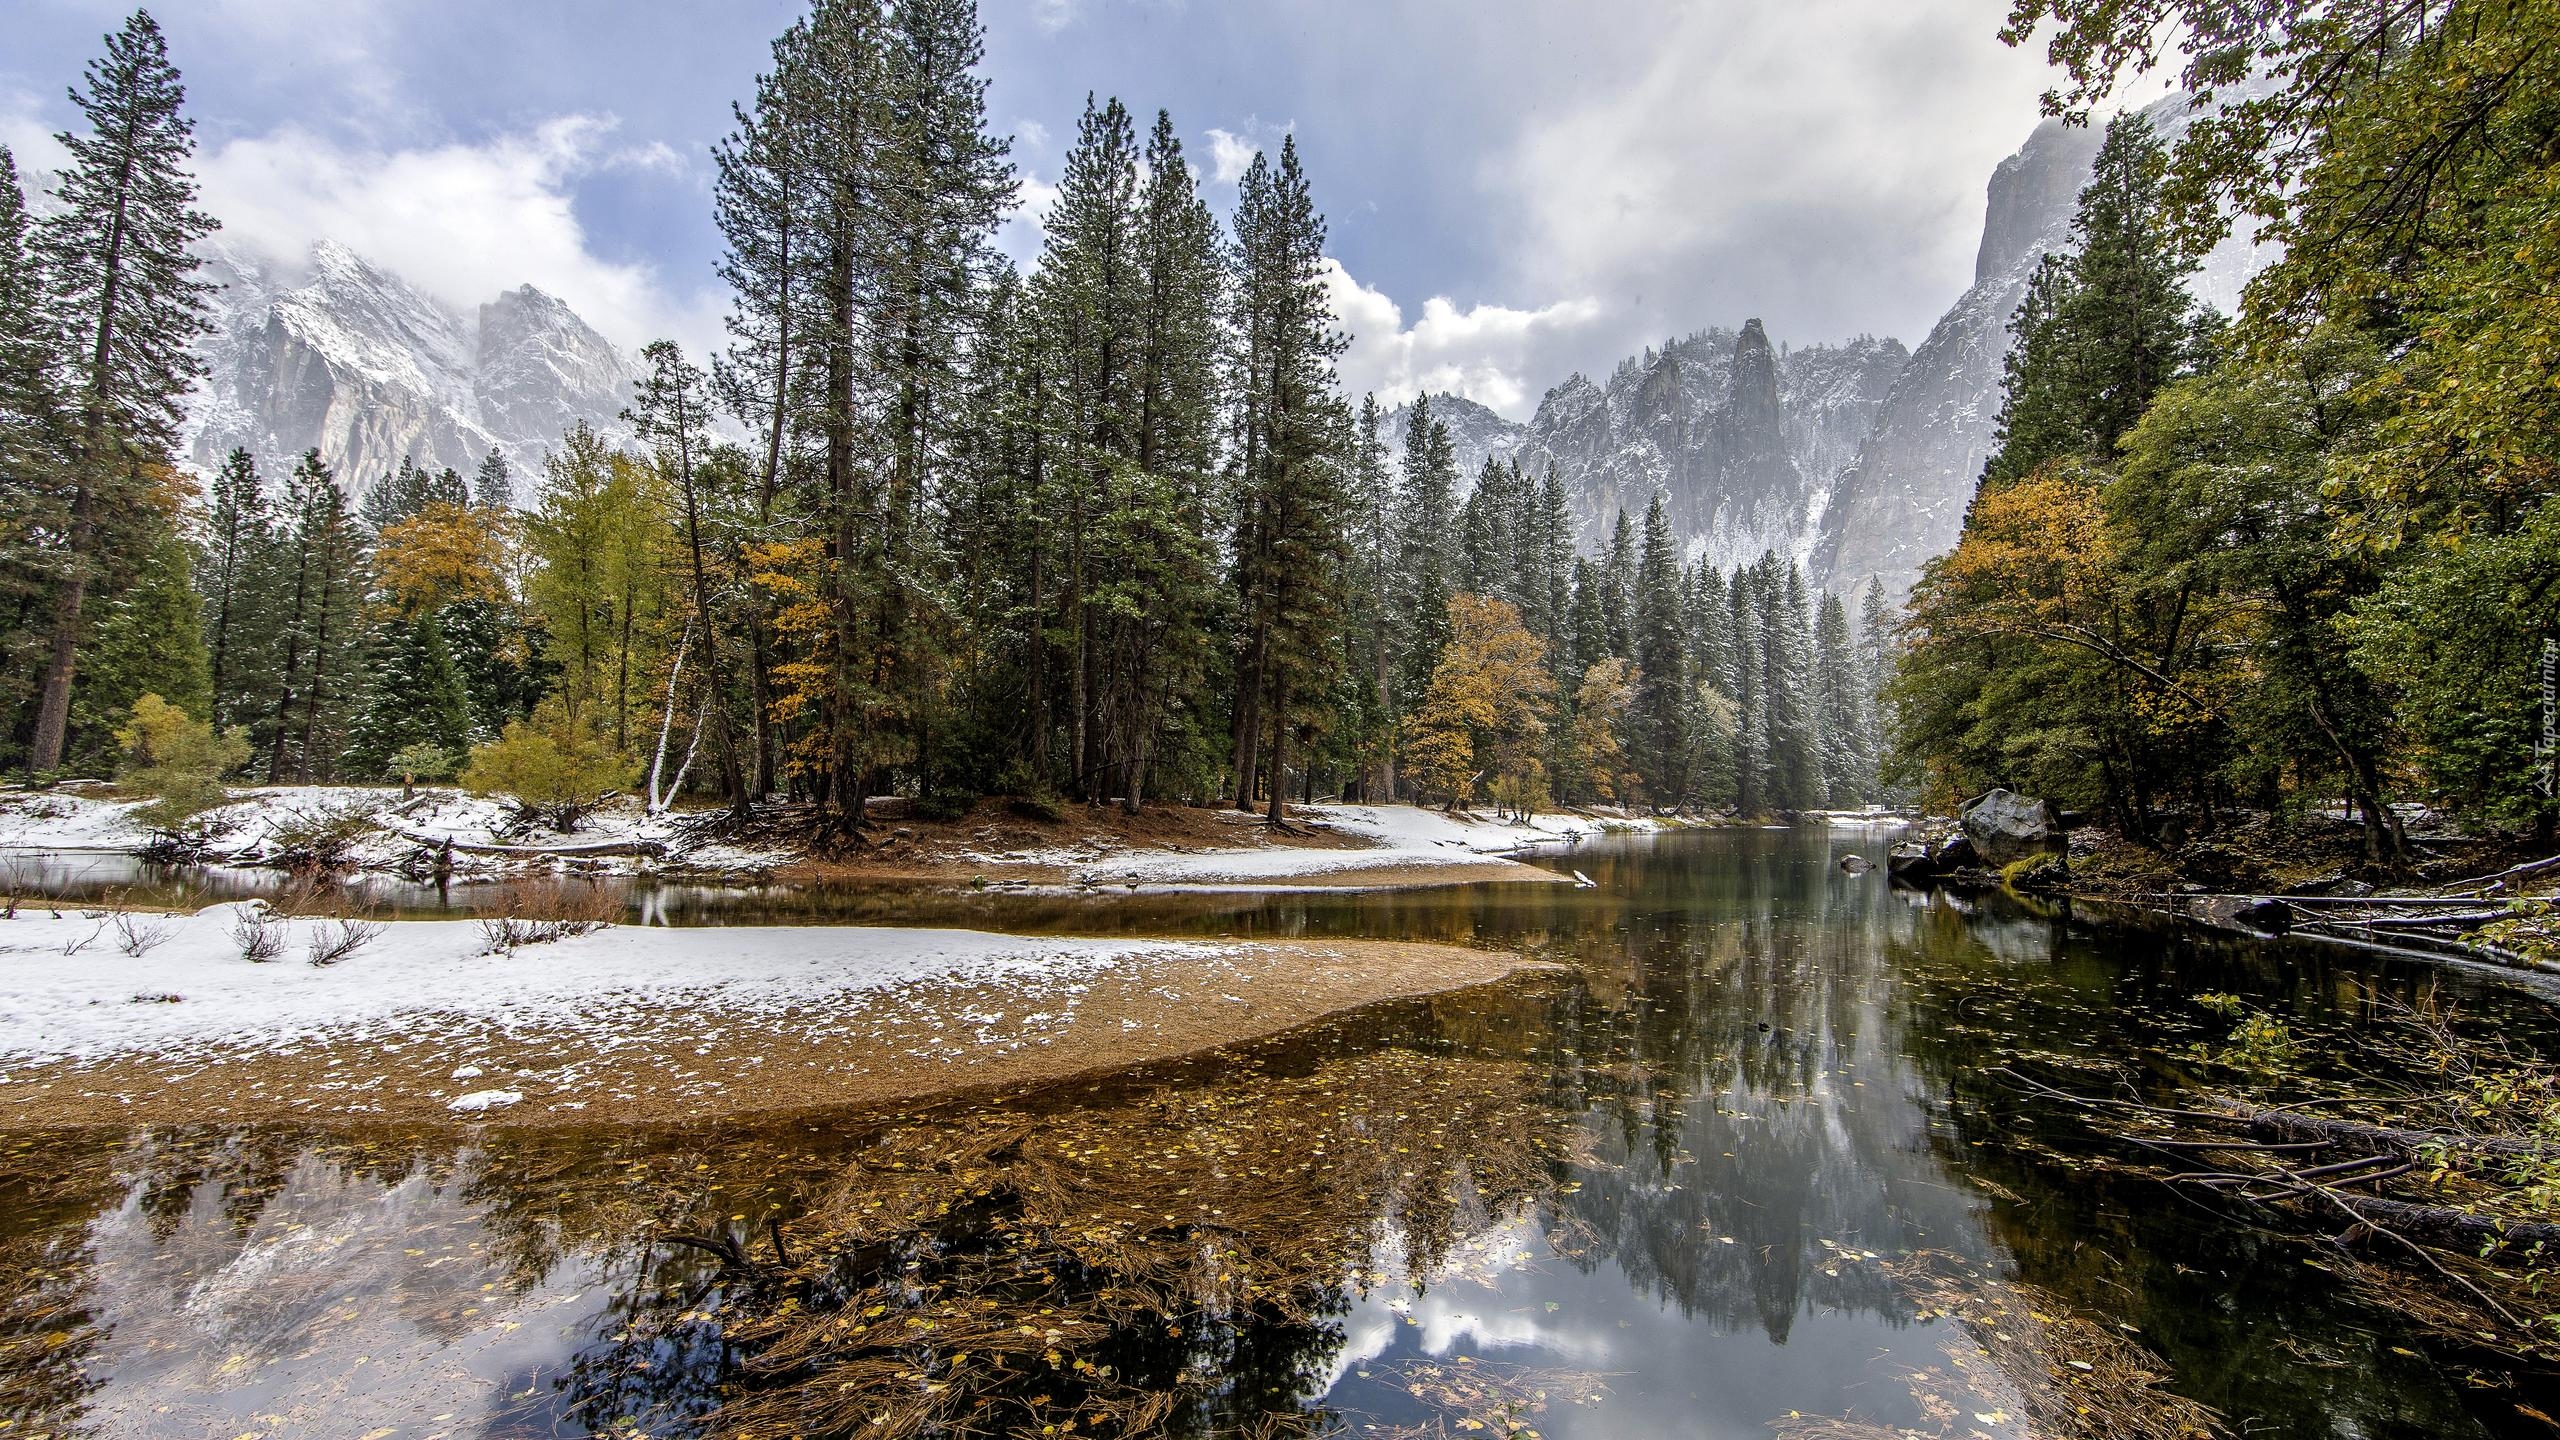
{"x":1741,"y":1165}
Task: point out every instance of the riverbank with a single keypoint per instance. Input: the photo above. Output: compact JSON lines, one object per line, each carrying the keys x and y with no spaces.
{"x":153,"y":1019}
{"x":997,"y":843}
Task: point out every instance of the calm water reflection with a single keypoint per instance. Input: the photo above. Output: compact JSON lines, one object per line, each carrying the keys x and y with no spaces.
{"x":1669,"y":1192}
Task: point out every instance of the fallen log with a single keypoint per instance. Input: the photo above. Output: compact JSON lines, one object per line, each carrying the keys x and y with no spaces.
{"x":651,"y":849}
{"x":2441,"y":1222}
{"x":2465,"y":920}
{"x":2288,"y":1125}
{"x":2525,"y":871}
{"x":2356,"y":902}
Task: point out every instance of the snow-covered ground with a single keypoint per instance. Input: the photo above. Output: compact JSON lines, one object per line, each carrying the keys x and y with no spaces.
{"x":70,"y":989}
{"x":388,"y":833}
{"x":1401,"y":837}
{"x":260,"y":820}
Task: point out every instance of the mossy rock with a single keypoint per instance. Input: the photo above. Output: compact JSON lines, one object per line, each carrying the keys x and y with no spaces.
{"x":2036,"y":872}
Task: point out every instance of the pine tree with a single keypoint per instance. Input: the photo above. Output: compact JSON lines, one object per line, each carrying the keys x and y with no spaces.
{"x":1841,"y":722}
{"x":1425,"y":555}
{"x":123,"y":292}
{"x":321,"y":555}
{"x":232,"y":573}
{"x":1662,"y":672}
{"x":1373,"y":547}
{"x":145,"y":635}
{"x":493,"y":485}
{"x":30,"y":408}
{"x":1552,"y":539}
{"x":2105,"y":327}
{"x":35,"y":495}
{"x":410,"y":696}
{"x":1618,"y":591}
{"x":1290,"y":453}
{"x":1794,"y":769}
{"x":1588,"y":623}
{"x":1088,"y":296}
{"x":1749,"y":636}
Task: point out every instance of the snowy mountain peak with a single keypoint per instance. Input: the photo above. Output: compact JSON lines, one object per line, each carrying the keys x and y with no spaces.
{"x":339,"y":354}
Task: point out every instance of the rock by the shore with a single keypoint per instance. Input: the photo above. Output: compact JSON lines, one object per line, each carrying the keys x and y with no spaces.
{"x":2005,"y":827}
{"x":1856,"y":864}
{"x":1957,"y":852}
{"x":2255,"y":914}
{"x":1910,"y":860}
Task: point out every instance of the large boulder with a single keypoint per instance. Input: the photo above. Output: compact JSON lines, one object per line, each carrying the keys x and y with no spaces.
{"x":1956,"y":852}
{"x":2006,"y":826}
{"x":1909,"y":860}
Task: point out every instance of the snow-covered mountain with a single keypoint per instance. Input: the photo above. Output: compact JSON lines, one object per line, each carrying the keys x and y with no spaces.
{"x":1857,"y":459}
{"x":338,"y":354}
{"x":1743,"y":437}
{"x":1476,"y":434}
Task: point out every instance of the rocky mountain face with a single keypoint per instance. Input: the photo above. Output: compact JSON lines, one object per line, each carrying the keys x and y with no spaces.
{"x":1902,"y":499}
{"x":338,"y":355}
{"x":1742,"y":436}
{"x":1476,"y":434}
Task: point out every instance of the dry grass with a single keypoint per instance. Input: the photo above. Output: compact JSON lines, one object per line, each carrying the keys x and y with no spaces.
{"x":539,"y":912}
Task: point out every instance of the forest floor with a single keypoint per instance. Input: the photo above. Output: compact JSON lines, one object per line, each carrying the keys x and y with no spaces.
{"x":2318,"y":856}
{"x":134,"y":1018}
{"x":996,"y":844}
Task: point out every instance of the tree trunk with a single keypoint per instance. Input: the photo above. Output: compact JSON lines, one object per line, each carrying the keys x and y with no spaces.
{"x":1279,"y":745}
{"x":53,"y":707}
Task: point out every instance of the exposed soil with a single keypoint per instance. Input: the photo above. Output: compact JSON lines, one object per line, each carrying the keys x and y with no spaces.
{"x":700,"y":1063}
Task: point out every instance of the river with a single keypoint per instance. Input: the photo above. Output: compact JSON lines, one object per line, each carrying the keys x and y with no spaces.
{"x":1741,"y":1169}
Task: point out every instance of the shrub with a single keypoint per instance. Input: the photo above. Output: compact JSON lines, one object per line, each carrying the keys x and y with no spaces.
{"x":335,"y":940}
{"x":536,"y":914}
{"x":424,"y":760}
{"x":139,"y":935}
{"x":176,"y":760}
{"x":557,"y":772}
{"x":259,"y":935}
{"x":320,"y":841}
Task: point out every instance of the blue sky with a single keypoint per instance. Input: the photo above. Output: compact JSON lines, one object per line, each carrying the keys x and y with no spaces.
{"x":1517,"y":188}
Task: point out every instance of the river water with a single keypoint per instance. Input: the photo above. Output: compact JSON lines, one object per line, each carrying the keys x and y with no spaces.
{"x":1744,"y":1168}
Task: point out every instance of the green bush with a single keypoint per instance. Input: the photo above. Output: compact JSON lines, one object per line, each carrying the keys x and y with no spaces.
{"x":424,"y":760}
{"x":176,"y":760}
{"x":557,"y":772}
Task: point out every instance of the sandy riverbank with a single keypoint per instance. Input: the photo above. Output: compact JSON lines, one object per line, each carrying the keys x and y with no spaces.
{"x":626,"y":1024}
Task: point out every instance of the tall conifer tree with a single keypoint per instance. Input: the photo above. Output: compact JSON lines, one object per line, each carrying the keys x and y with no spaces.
{"x":121,"y":279}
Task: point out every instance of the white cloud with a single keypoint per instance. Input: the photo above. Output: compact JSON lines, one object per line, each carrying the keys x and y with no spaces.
{"x":460,"y":221}
{"x":1820,"y":163}
{"x":1024,"y":231}
{"x":1229,"y":156}
{"x":29,"y":139}
{"x":1495,"y":355}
